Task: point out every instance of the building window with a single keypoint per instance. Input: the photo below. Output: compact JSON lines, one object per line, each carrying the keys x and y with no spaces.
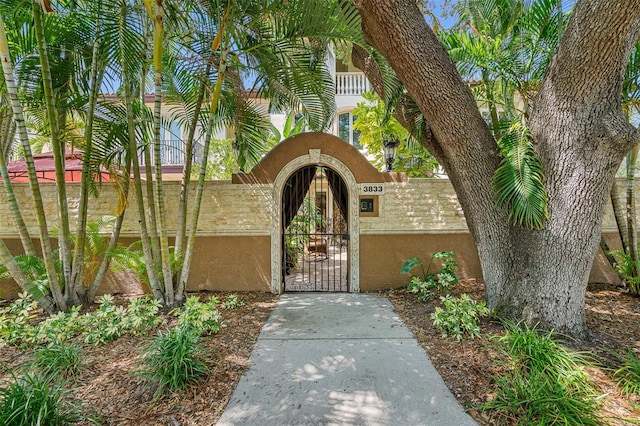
{"x":346,"y":132}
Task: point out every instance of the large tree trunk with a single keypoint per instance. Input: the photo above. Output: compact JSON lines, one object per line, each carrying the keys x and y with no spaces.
{"x":535,"y":275}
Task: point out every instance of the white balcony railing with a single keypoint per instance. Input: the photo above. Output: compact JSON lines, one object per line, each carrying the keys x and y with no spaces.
{"x":172,"y":153}
{"x":351,"y":84}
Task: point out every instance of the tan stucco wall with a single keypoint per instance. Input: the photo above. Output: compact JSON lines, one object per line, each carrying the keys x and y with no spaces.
{"x":416,"y":217}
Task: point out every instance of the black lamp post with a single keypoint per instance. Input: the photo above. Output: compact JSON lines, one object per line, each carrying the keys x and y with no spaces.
{"x":236,"y":152}
{"x":390,"y":146}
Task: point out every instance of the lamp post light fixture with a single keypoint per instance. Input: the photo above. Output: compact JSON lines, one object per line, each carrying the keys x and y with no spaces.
{"x":236,"y":153}
{"x":390,"y":146}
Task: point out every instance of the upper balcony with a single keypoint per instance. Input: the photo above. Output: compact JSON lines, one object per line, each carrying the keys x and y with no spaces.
{"x":351,"y":84}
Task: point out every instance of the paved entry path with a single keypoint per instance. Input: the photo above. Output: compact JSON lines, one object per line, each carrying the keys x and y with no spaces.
{"x":340,"y":359}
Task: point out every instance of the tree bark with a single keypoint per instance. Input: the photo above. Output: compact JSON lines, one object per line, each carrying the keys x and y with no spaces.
{"x":581,"y":136}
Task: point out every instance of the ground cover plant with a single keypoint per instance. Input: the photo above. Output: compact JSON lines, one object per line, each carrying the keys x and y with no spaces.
{"x":471,"y":368}
{"x":110,"y":392}
{"x":104,"y":377}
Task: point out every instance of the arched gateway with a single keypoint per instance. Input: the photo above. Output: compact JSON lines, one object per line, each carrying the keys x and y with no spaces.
{"x":315,"y":226}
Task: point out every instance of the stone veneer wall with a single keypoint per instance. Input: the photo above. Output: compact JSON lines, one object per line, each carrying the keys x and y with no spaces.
{"x":416,"y":218}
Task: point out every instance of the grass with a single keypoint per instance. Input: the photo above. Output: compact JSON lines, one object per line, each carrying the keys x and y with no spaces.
{"x":545,"y":384}
{"x":173,"y":360}
{"x":34,"y":400}
{"x":64,"y":359}
{"x":628,"y":375}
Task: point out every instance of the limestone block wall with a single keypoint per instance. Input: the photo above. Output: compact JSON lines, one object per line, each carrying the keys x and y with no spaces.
{"x":226,"y":208}
{"x":415,"y":217}
{"x":416,"y":206}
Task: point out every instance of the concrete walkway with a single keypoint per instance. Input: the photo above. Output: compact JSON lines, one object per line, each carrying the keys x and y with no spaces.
{"x":340,"y":359}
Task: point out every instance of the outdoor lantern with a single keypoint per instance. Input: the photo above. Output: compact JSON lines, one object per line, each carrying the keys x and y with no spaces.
{"x":390,"y":146}
{"x":236,"y":152}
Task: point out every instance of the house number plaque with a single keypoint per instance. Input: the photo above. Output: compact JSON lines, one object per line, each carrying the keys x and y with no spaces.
{"x":371,"y":188}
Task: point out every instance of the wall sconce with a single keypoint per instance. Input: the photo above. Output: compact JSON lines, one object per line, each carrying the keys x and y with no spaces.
{"x":390,"y":146}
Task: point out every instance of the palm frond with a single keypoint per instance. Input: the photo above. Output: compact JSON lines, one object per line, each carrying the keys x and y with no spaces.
{"x":519,"y":181}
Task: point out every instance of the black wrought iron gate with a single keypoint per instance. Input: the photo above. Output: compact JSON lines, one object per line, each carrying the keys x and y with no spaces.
{"x":315,"y":234}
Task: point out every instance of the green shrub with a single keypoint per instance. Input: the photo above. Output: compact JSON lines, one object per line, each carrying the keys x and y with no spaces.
{"x":143,"y":315}
{"x":232,"y":302}
{"x":201,"y":316}
{"x":459,"y":317}
{"x":15,"y":322}
{"x":34,"y":400}
{"x":63,"y":359}
{"x":60,"y":327}
{"x":106,"y":323}
{"x":546,"y":384}
{"x":431,"y":284}
{"x":628,"y":375}
{"x":173,"y":360}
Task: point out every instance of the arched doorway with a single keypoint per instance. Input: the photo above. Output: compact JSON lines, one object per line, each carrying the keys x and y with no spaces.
{"x":315,"y":231}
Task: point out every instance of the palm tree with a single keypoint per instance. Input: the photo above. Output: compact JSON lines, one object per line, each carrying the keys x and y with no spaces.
{"x":504,"y":47}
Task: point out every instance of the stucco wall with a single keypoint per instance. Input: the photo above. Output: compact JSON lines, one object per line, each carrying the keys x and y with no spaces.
{"x":416,"y":217}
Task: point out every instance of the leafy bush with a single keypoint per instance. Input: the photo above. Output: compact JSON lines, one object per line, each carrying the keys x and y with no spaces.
{"x":34,"y":400}
{"x":61,"y":359}
{"x":431,"y":284}
{"x":628,"y":375}
{"x":103,"y":325}
{"x":626,"y":267}
{"x":15,"y":327}
{"x":546,"y":383}
{"x":173,"y":360}
{"x":106,"y":323}
{"x":201,"y":316}
{"x":232,"y":302}
{"x":459,"y":317}
{"x":143,"y":315}
{"x":61,"y":327}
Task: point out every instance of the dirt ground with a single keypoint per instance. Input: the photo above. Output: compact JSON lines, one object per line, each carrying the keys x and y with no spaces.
{"x":113,"y":396}
{"x":468,"y":366}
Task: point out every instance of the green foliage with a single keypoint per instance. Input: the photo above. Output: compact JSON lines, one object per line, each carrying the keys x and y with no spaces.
{"x":34,"y":270}
{"x":109,"y":321}
{"x":15,"y":326}
{"x":34,"y":400}
{"x":233,"y":302}
{"x":106,"y":323}
{"x":64,"y":359}
{"x":61,"y":327}
{"x":200,"y":316}
{"x":374,"y":123}
{"x":628,"y":375}
{"x":292,"y":127}
{"x":625,"y":267}
{"x":432,"y":283}
{"x":518,"y":183}
{"x":173,"y":360}
{"x":546,"y":383}
{"x":459,"y":317}
{"x":222,"y":162}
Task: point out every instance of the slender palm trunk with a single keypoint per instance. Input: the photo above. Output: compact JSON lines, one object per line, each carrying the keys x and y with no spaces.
{"x":186,"y":177}
{"x":195,"y":213}
{"x":56,"y":143}
{"x":21,"y":226}
{"x":137,"y":181}
{"x":87,"y":177}
{"x":45,"y":301}
{"x":632,"y":158}
{"x":45,"y":241}
{"x":165,"y":258}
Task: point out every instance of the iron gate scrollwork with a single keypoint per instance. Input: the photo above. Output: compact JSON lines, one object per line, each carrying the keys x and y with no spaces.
{"x":315,"y":232}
